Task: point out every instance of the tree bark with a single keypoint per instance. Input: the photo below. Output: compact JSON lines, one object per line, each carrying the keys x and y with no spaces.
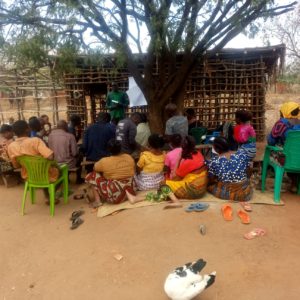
{"x":166,"y":86}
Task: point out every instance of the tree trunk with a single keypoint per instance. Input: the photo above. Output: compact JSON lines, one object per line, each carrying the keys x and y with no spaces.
{"x":163,"y":83}
{"x":156,"y":118}
{"x":156,"y":108}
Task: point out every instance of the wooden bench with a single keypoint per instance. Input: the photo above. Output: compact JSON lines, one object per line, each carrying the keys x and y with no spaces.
{"x":205,"y":149}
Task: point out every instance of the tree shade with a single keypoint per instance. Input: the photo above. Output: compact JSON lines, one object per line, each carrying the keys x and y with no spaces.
{"x":33,"y":29}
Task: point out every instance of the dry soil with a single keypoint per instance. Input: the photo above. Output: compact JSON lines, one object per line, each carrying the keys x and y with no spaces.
{"x":41,"y":258}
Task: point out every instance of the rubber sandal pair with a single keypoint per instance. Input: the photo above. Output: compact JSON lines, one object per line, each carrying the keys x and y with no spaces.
{"x":76,"y":223}
{"x":199,"y":206}
{"x":228,"y":214}
{"x":256,"y":232}
{"x":76,"y":214}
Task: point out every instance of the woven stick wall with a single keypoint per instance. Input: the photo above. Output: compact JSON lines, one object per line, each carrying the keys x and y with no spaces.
{"x":221,"y":84}
{"x":218,"y":88}
{"x":25,"y":90}
{"x":87,"y":89}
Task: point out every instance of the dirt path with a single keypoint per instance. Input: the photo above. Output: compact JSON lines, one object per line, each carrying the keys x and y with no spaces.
{"x":41,"y":258}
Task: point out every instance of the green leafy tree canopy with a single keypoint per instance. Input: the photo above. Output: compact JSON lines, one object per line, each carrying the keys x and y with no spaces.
{"x":157,"y":29}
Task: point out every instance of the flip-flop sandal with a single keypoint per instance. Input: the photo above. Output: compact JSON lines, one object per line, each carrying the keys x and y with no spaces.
{"x":76,"y":214}
{"x":254,"y":233}
{"x":75,"y":223}
{"x":244,"y":217}
{"x":246,"y":206}
{"x":197,"y":207}
{"x":195,"y":204}
{"x":227,"y":212}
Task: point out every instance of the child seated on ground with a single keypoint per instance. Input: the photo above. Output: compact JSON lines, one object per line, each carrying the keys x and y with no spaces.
{"x":150,"y":165}
{"x":173,"y":156}
{"x":244,"y":133}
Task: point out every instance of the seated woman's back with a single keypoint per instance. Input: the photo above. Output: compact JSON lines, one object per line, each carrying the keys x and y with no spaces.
{"x":289,"y":120}
{"x":227,"y":172}
{"x":191,"y":164}
{"x":116,"y":167}
{"x":229,"y":169}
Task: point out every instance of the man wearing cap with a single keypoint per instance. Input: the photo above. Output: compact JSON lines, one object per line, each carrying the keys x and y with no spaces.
{"x":116,"y":102}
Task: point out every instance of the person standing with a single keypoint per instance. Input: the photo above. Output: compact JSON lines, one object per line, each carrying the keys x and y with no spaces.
{"x":116,"y":102}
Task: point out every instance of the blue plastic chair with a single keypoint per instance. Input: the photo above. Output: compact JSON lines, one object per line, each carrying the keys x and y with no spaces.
{"x":291,"y":163}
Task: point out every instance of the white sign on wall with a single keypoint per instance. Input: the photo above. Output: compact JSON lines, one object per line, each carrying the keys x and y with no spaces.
{"x":136,"y":97}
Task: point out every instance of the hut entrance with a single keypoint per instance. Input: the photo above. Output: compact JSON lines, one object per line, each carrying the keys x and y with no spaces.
{"x":95,"y":100}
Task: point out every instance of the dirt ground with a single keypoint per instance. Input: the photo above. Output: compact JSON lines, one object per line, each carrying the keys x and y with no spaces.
{"x":41,"y":258}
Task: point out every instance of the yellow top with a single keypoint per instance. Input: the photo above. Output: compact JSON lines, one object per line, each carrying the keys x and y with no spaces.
{"x":151,"y":163}
{"x":116,"y":167}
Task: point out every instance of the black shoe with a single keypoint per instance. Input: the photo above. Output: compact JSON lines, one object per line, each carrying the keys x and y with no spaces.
{"x":76,"y":214}
{"x":75,"y":223}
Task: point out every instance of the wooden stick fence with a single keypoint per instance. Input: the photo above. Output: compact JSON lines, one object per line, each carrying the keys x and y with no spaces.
{"x":220,"y":84}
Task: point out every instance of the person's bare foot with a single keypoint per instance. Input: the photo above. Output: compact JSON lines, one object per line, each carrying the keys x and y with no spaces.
{"x":96,"y":204}
{"x":173,"y":198}
{"x":173,"y":205}
{"x":130,"y":197}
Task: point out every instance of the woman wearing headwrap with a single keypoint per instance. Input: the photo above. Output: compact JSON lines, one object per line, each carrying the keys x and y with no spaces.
{"x":289,"y":120}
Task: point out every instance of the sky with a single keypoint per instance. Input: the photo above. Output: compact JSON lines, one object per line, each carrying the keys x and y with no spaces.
{"x":241,"y":41}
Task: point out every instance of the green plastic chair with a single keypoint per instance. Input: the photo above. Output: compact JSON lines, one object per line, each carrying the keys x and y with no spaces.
{"x":197,"y":133}
{"x":291,"y":163}
{"x":38,"y":177}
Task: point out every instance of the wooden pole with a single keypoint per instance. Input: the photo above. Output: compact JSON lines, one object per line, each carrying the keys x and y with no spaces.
{"x":36,"y":94}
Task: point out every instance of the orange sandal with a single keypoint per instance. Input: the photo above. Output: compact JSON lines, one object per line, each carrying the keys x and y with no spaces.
{"x":227,"y":212}
{"x":244,"y":217}
{"x":254,"y":233}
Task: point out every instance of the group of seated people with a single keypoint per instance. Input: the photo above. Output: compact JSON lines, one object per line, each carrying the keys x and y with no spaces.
{"x":127,"y":158}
